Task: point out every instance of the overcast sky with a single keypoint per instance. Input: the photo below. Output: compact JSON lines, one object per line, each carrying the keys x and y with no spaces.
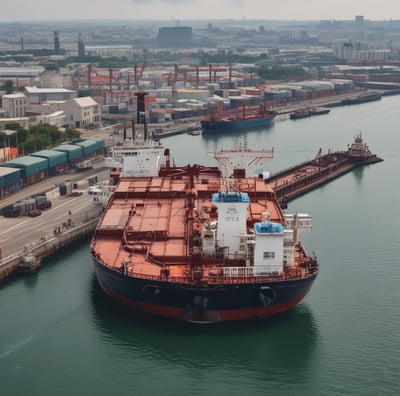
{"x":26,"y":10}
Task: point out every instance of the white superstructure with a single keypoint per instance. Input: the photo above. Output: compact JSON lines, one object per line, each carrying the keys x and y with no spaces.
{"x":242,"y":162}
{"x":134,"y":155}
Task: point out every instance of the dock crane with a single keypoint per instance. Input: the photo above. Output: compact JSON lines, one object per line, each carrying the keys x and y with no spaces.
{"x":139,"y":73}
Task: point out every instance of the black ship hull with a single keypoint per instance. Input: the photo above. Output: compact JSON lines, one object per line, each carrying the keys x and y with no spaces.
{"x":226,"y":126}
{"x":362,"y":99}
{"x":203,"y":303}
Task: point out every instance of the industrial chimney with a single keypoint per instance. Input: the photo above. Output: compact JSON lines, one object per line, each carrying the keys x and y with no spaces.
{"x":56,"y":43}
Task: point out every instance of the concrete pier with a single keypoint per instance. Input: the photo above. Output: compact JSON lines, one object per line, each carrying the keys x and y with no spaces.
{"x":48,"y":246}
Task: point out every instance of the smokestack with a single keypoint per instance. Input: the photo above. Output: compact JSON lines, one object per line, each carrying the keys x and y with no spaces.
{"x":22,"y":44}
{"x":110,"y":71}
{"x":89,"y":77}
{"x":56,"y":43}
{"x":141,"y":106}
{"x":81,"y":46}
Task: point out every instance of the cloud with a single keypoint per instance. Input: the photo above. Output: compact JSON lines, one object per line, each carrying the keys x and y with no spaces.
{"x":162,"y":1}
{"x":23,"y":10}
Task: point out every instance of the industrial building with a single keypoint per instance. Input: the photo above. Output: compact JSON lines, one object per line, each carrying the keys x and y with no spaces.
{"x":177,"y":36}
{"x":23,"y":171}
{"x":15,"y":105}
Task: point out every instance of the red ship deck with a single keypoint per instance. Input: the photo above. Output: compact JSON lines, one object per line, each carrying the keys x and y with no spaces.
{"x":155,"y":215}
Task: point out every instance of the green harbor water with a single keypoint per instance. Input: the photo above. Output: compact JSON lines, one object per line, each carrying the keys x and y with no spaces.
{"x":60,"y":335}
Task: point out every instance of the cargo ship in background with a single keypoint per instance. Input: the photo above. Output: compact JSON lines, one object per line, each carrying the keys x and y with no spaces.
{"x":223,"y":122}
{"x":202,"y":244}
{"x":362,"y":98}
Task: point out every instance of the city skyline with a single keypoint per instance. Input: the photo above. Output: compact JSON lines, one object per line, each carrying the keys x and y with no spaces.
{"x":186,"y":10}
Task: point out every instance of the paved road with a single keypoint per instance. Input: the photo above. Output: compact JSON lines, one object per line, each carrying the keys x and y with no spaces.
{"x":17,"y":233}
{"x":52,"y":182}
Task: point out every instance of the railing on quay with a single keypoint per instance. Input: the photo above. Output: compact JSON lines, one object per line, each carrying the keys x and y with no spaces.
{"x":47,"y":245}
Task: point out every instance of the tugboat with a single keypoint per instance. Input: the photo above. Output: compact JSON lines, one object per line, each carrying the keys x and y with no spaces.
{"x":359,"y":151}
{"x":318,"y":110}
{"x":29,"y":264}
{"x":298,"y":114}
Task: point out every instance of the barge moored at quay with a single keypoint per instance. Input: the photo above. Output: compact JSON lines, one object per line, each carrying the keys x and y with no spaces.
{"x":295,"y":181}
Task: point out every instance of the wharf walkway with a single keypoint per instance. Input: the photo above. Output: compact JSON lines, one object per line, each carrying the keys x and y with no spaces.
{"x":69,"y":220}
{"x":47,"y":246}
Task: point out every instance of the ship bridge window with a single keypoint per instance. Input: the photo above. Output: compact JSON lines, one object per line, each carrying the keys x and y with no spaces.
{"x":269,"y":255}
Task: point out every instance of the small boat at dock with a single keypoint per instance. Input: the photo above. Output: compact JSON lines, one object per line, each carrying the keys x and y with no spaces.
{"x":29,"y":264}
{"x":308,"y":112}
{"x":298,"y":114}
{"x":318,"y":110}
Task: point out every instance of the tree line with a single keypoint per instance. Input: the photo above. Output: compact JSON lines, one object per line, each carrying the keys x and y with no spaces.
{"x":36,"y":137}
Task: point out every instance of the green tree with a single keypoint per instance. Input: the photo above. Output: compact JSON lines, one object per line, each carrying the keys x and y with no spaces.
{"x":39,"y":137}
{"x":71,"y":133}
{"x":52,"y":66}
{"x":3,"y":138}
{"x":8,"y":86}
{"x":14,"y":126}
{"x":49,"y":133}
{"x":20,"y":136}
{"x":35,"y":142}
{"x":281,"y":72}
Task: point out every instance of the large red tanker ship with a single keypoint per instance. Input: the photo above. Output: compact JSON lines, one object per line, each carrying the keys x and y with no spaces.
{"x":202,"y":244}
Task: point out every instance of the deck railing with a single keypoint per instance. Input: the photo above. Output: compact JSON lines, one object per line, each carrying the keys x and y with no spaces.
{"x":298,"y":273}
